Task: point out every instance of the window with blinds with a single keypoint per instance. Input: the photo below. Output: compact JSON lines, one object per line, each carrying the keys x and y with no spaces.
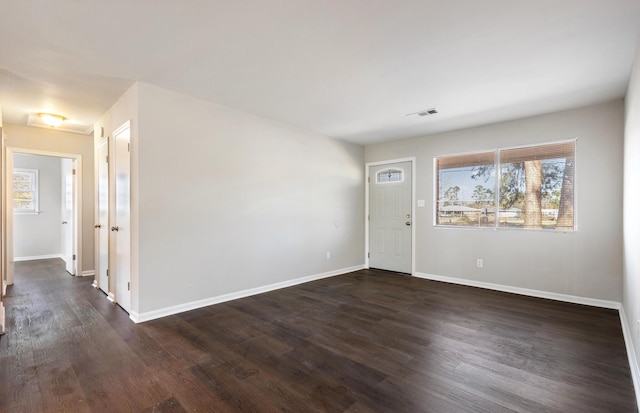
{"x":531,"y":187}
{"x":25,"y":190}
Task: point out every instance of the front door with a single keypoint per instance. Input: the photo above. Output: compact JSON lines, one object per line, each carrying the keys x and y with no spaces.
{"x":390,"y":219}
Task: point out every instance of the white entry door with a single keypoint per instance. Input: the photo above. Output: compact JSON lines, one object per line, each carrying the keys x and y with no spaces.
{"x":121,"y":229}
{"x":69,"y":214}
{"x":102,"y":226}
{"x":390,"y":219}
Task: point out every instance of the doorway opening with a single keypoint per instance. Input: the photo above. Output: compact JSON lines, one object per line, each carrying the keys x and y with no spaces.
{"x":43,"y":208}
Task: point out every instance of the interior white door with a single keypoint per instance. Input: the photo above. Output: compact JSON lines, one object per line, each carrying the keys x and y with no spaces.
{"x":390,"y":219}
{"x":102,"y":226}
{"x":68,"y":214}
{"x":121,"y":228}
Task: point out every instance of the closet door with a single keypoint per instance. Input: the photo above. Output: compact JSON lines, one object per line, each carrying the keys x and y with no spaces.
{"x":121,"y":228}
{"x":102,"y":222}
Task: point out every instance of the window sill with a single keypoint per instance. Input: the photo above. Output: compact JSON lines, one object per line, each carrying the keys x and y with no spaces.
{"x":26,"y":212}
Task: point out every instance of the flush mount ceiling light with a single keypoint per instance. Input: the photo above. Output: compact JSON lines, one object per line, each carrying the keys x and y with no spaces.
{"x":51,"y":119}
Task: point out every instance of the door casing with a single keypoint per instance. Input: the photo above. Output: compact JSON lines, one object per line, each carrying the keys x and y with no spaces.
{"x":8,"y":229}
{"x":413,"y":208}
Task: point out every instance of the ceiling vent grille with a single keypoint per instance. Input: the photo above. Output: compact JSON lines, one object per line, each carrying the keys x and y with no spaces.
{"x":425,"y":112}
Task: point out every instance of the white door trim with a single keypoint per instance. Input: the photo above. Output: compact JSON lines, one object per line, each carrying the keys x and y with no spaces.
{"x":413,"y":207}
{"x":9,"y":152}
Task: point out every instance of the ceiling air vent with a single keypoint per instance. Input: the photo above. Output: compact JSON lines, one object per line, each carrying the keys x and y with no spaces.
{"x":425,"y":112}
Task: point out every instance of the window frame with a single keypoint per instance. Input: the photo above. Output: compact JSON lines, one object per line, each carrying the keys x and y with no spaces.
{"x":35,"y":191}
{"x":498,"y":171}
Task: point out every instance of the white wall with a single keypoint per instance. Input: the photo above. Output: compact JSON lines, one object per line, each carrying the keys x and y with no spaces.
{"x":631,"y":285}
{"x":40,"y":139}
{"x":223,"y":202}
{"x":40,"y":235}
{"x":228,"y":201}
{"x":586,"y":263}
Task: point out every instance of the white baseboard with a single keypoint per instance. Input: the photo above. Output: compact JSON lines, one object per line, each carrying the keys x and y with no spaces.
{"x":180,"y":308}
{"x":38,"y":257}
{"x":111,"y":297}
{"x":88,"y":273}
{"x":594,"y":302}
{"x":94,"y":284}
{"x":633,"y":361}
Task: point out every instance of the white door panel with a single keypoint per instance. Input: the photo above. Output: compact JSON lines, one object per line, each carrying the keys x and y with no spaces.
{"x":102,"y":226}
{"x":68,"y":214}
{"x":390,"y":219}
{"x":121,"y":228}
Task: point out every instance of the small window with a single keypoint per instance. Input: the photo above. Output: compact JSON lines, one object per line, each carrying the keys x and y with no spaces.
{"x":529,"y":187}
{"x":25,"y":190}
{"x":389,"y":176}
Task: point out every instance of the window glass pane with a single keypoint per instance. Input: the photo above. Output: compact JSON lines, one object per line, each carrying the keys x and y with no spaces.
{"x":537,"y":187}
{"x":390,"y":175}
{"x":23,"y":186}
{"x":23,"y":204}
{"x":534,"y":187}
{"x":24,"y":196}
{"x":465,"y":190}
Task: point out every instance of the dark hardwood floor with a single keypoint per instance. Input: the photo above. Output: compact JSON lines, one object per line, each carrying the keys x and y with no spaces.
{"x":368,"y":341}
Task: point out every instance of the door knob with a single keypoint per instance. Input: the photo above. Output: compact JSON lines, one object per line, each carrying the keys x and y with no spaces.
{"x":64,"y":222}
{"x":97,"y":226}
{"x":408,"y":223}
{"x":115,"y":229}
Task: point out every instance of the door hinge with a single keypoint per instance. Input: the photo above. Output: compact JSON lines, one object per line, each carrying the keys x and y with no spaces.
{"x":107,"y":272}
{"x":128,"y":147}
{"x":73,"y":172}
{"x":74,"y":257}
{"x":128,"y":286}
{"x":368,"y":255}
{"x":107,"y":159}
{"x":368,"y":217}
{"x":369,"y":179}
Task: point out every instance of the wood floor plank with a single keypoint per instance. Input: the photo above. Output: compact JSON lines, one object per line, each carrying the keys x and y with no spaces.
{"x":368,"y":341}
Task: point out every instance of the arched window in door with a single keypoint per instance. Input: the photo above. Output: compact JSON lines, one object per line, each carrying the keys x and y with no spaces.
{"x":391,"y":175}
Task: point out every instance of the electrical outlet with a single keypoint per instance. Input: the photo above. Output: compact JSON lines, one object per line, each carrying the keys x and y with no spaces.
{"x":479,"y":263}
{"x":328,"y":255}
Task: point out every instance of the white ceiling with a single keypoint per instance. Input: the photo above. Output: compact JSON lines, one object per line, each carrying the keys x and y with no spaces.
{"x":351,"y":69}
